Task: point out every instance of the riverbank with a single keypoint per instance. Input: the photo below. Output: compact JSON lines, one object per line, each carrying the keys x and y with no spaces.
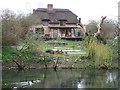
{"x":62,"y":64}
{"x":37,"y":57}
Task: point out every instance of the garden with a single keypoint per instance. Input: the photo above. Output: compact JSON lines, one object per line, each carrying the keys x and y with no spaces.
{"x":98,"y":49}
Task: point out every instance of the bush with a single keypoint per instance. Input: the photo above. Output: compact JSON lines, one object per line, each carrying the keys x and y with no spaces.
{"x":7,"y":53}
{"x":100,"y":53}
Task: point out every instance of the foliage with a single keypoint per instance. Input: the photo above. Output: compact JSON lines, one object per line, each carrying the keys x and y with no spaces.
{"x":100,"y":53}
{"x":15,"y":27}
{"x":91,"y":26}
{"x":26,"y":21}
{"x":10,"y":28}
{"x":22,"y":50}
{"x":109,"y":28}
{"x":114,"y":45}
{"x":9,"y":52}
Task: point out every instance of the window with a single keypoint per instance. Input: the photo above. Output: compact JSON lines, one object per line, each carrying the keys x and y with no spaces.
{"x":62,"y":22}
{"x":39,"y":31}
{"x":45,"y":22}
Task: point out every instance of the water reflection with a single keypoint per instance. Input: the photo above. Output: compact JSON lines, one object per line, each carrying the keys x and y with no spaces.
{"x":26,"y":83}
{"x":110,"y":77}
{"x":81,"y":84}
{"x":61,"y":79}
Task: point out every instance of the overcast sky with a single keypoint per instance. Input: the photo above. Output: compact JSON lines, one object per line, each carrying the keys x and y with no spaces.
{"x":86,"y":9}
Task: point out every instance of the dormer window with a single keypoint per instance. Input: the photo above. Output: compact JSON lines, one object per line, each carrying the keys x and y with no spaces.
{"x":45,"y":22}
{"x":62,"y":22}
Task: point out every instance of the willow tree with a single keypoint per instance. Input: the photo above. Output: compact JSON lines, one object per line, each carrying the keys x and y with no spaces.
{"x":97,"y":48}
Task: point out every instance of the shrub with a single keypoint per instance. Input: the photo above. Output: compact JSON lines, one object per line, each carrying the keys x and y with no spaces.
{"x":100,"y":53}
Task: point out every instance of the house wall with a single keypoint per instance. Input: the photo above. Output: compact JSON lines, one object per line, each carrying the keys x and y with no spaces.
{"x":46,"y":30}
{"x":57,"y":31}
{"x":55,"y":24}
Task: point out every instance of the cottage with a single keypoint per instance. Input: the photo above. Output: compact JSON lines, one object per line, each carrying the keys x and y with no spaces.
{"x":56,"y":23}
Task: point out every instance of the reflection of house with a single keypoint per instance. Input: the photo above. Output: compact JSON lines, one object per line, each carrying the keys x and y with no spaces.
{"x":56,"y":22}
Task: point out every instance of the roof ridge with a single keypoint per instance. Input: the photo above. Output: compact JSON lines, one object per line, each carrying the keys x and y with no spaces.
{"x":56,"y":9}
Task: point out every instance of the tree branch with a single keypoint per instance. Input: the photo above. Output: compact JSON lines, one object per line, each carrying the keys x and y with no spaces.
{"x":83,"y":26}
{"x":20,"y":67}
{"x":99,"y":25}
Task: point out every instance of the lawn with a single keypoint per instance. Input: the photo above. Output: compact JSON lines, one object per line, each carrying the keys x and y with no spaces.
{"x":73,"y":45}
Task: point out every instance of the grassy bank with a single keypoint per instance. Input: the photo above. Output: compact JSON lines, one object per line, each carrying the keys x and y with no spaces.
{"x":37,"y":58}
{"x":73,"y":62}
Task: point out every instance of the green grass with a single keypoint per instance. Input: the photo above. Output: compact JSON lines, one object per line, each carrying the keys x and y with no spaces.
{"x":9,"y":52}
{"x":75,"y":45}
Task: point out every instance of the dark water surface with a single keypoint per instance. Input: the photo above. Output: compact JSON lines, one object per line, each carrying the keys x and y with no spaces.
{"x":61,"y":79}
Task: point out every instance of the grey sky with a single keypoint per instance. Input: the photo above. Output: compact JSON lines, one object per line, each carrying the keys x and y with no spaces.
{"x":86,"y":9}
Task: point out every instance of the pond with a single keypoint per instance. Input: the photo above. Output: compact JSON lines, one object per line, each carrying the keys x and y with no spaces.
{"x":63,"y":78}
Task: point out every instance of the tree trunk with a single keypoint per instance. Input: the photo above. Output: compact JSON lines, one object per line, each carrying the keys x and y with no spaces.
{"x":45,"y":63}
{"x":20,"y":67}
{"x":55,"y":64}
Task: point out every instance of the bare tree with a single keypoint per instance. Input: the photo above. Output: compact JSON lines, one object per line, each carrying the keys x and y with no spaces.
{"x":10,"y":28}
{"x":99,"y":28}
{"x":99,"y":25}
{"x":117,"y":30}
{"x":15,"y":27}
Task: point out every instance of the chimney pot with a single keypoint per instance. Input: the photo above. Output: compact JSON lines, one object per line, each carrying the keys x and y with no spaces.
{"x":50,"y":7}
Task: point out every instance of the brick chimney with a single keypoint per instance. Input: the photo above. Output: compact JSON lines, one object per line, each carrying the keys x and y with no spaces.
{"x":50,"y":7}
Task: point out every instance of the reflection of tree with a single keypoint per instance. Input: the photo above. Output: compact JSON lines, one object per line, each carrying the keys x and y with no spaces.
{"x":118,"y":79}
{"x":111,"y":78}
{"x":71,"y":78}
{"x":90,"y":78}
{"x":81,"y":84}
{"x":65,"y":78}
{"x":100,"y":78}
{"x":51,"y":78}
{"x":97,"y":79}
{"x":44,"y":78}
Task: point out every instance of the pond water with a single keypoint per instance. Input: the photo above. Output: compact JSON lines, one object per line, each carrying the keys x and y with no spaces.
{"x":63,"y":78}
